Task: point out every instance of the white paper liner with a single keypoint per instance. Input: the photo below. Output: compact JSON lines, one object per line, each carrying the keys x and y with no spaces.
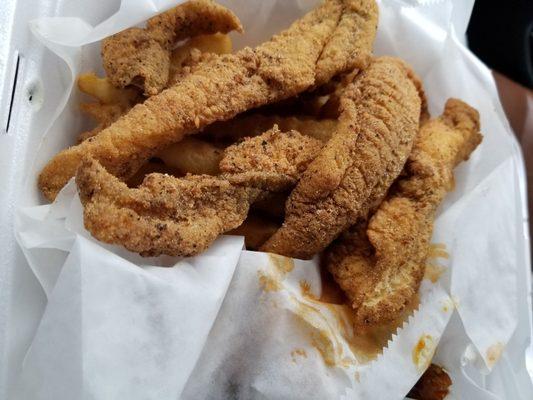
{"x":99,"y":329}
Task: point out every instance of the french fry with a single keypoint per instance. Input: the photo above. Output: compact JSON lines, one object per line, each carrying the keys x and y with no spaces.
{"x":195,"y":51}
{"x":102,"y":90}
{"x":218,"y":43}
{"x":192,"y":156}
{"x":256,"y":231}
{"x":255,"y":124}
{"x":150,"y":168}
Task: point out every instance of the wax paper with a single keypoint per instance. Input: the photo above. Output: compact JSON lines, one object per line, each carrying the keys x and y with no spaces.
{"x":238,"y":324}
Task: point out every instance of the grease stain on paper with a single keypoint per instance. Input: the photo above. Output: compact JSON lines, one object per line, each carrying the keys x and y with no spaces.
{"x":328,"y":319}
{"x":423,"y":352}
{"x":284,"y":265}
{"x":271,"y":279}
{"x":298,"y":353}
{"x":494,"y":353}
{"x":434,"y":271}
{"x":268,"y":283}
{"x":438,"y":250}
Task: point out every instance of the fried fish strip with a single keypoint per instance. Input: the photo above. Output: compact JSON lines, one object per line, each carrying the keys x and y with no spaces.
{"x":380,"y":267}
{"x":142,"y":56}
{"x":275,"y":70}
{"x":379,"y":119}
{"x":273,"y":161}
{"x":103,"y":114}
{"x":190,"y":19}
{"x":350,"y":46}
{"x":114,"y":102}
{"x":164,"y":215}
{"x":183,"y":216}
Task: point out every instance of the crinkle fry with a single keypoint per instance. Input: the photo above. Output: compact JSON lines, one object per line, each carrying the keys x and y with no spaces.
{"x":112,"y":102}
{"x":141,"y":57}
{"x":219,"y":90}
{"x":183,"y":216}
{"x":194,"y":51}
{"x":380,"y":267}
{"x":379,"y":119}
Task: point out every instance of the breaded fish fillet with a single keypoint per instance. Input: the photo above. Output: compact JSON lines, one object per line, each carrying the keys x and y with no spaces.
{"x":218,"y":90}
{"x":142,"y":56}
{"x":183,"y":216}
{"x":273,"y":161}
{"x":380,"y":267}
{"x":350,"y":46}
{"x":379,"y":119}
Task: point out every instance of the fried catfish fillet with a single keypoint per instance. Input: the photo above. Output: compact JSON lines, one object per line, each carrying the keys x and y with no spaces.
{"x":164,"y":215}
{"x":380,"y":266}
{"x":273,"y":161}
{"x":183,"y":216}
{"x":215,"y":91}
{"x":379,"y":119}
{"x":142,"y":56}
{"x":350,"y":46}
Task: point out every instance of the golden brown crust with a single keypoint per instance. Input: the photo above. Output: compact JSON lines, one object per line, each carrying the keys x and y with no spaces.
{"x":192,"y":18}
{"x":380,"y":267}
{"x":183,"y":216}
{"x":219,"y":90}
{"x":378,"y":122}
{"x":141,"y":57}
{"x":350,"y":47}
{"x":274,"y":160}
{"x":132,"y":57}
{"x":164,"y":215}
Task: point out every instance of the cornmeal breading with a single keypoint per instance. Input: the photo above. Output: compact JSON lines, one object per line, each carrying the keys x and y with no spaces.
{"x":380,"y":266}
